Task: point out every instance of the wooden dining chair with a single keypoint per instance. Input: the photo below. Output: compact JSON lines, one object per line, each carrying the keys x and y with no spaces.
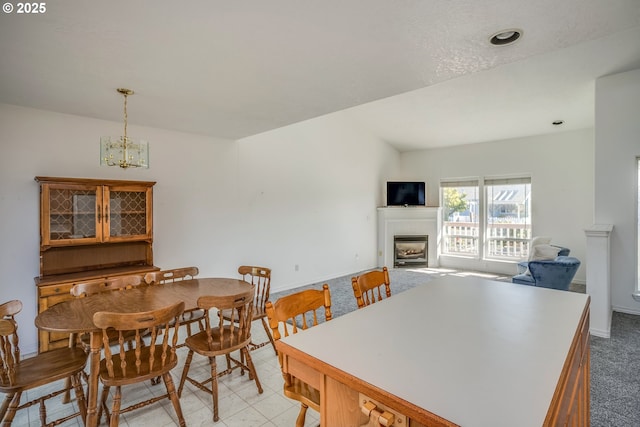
{"x":96,"y":286}
{"x":145,"y":361}
{"x":171,"y":276}
{"x":222,"y":336}
{"x":260,"y":277}
{"x":175,"y":275}
{"x":370,"y":287}
{"x":91,"y":287}
{"x":18,"y":375}
{"x":288,"y":315}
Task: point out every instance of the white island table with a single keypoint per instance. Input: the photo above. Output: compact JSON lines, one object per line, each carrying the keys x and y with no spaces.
{"x":455,"y":351}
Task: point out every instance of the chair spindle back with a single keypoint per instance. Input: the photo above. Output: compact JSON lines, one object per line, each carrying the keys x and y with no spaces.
{"x":144,"y":358}
{"x":232,"y":331}
{"x":299,"y":311}
{"x":9,"y":352}
{"x":368,"y":287}
{"x":10,"y":340}
{"x":96,"y":286}
{"x":170,"y":276}
{"x":260,"y":277}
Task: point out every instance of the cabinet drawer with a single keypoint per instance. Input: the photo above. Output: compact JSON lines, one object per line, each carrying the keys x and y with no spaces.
{"x":55,"y":290}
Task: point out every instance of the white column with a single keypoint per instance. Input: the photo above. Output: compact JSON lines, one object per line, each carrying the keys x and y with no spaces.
{"x":599,"y":279}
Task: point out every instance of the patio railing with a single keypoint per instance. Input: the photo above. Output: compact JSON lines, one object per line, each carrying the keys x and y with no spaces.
{"x":510,"y":241}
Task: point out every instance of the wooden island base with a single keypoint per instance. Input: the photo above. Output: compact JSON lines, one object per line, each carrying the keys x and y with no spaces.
{"x":387,"y":383}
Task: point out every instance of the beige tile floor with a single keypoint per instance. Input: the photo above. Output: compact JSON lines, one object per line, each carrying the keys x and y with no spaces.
{"x":240,"y":405}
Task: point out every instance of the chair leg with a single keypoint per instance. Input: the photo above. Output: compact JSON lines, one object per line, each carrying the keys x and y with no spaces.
{"x":214,"y":387}
{"x":115,"y":409}
{"x":301,"y":415}
{"x":43,"y":413}
{"x":5,"y":405}
{"x":67,"y":383}
{"x":67,"y":395}
{"x":76,"y":381}
{"x":102,"y":405}
{"x":253,"y":374}
{"x":185,"y":371}
{"x":173,"y":396}
{"x":12,"y":408}
{"x":242,"y":363}
{"x":268,"y":332}
{"x":228,"y":358}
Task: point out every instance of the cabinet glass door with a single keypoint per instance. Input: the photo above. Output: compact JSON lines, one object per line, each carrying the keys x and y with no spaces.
{"x":72,"y":214}
{"x":128,"y":213}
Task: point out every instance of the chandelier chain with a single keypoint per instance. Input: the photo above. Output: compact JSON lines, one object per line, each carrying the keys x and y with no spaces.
{"x":125,"y":117}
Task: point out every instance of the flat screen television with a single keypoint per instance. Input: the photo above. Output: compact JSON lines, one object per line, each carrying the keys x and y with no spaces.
{"x":405,"y":193}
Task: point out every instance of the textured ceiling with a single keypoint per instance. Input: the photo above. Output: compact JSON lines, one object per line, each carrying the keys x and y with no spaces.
{"x":418,"y":74}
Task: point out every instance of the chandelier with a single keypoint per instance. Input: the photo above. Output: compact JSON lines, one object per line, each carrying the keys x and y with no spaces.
{"x":121,"y":150}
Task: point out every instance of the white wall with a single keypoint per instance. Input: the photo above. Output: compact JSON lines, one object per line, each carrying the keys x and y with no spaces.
{"x":561,"y":170}
{"x":309,"y":196}
{"x":304,"y":195}
{"x":617,"y":144}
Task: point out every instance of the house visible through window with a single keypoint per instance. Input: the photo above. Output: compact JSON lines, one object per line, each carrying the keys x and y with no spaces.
{"x":486,"y":218}
{"x":508,"y":219}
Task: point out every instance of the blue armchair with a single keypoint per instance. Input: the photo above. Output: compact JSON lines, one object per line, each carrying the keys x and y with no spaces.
{"x":523,"y":265}
{"x":554,"y":274}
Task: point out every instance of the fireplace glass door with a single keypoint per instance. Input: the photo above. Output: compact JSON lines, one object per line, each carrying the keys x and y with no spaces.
{"x":410,"y":251}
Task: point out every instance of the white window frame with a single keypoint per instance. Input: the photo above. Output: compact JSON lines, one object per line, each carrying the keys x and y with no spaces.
{"x":463,"y":182}
{"x":483,"y":238}
{"x":522,"y":242}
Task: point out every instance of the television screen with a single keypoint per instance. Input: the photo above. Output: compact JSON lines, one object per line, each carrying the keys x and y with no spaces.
{"x":405,"y":194}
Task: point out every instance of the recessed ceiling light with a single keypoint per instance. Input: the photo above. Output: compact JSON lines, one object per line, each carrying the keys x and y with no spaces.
{"x":557,"y":122}
{"x":505,"y":37}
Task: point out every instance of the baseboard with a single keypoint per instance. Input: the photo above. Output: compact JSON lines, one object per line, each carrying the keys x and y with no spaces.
{"x":600,"y":333}
{"x":625,"y":310}
{"x":604,"y":333}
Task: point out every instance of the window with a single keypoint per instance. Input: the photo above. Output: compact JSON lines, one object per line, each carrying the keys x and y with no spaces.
{"x":460,"y":210}
{"x":508,"y":224}
{"x":486,"y":218}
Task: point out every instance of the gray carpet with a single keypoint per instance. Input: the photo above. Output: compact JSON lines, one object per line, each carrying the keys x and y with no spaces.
{"x":615,"y":374}
{"x":342,"y":299}
{"x":615,"y":362}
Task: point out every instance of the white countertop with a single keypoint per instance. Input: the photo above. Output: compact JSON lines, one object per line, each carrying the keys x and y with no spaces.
{"x":473,"y":351}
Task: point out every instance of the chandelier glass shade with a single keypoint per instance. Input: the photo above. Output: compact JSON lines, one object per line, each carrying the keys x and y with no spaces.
{"x":123,"y":151}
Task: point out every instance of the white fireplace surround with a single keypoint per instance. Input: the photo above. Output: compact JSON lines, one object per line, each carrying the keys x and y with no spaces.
{"x":418,"y":220}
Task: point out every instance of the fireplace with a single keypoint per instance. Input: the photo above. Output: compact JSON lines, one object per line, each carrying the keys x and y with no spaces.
{"x":411,"y":221}
{"x":410,"y":251}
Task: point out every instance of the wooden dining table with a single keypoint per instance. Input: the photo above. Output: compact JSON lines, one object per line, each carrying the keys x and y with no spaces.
{"x":76,"y":316}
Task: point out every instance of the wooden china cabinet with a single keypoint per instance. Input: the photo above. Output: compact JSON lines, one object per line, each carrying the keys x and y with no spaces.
{"x":90,"y":229}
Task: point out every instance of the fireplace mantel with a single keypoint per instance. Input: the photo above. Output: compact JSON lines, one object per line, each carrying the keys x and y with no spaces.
{"x":417,"y":220}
